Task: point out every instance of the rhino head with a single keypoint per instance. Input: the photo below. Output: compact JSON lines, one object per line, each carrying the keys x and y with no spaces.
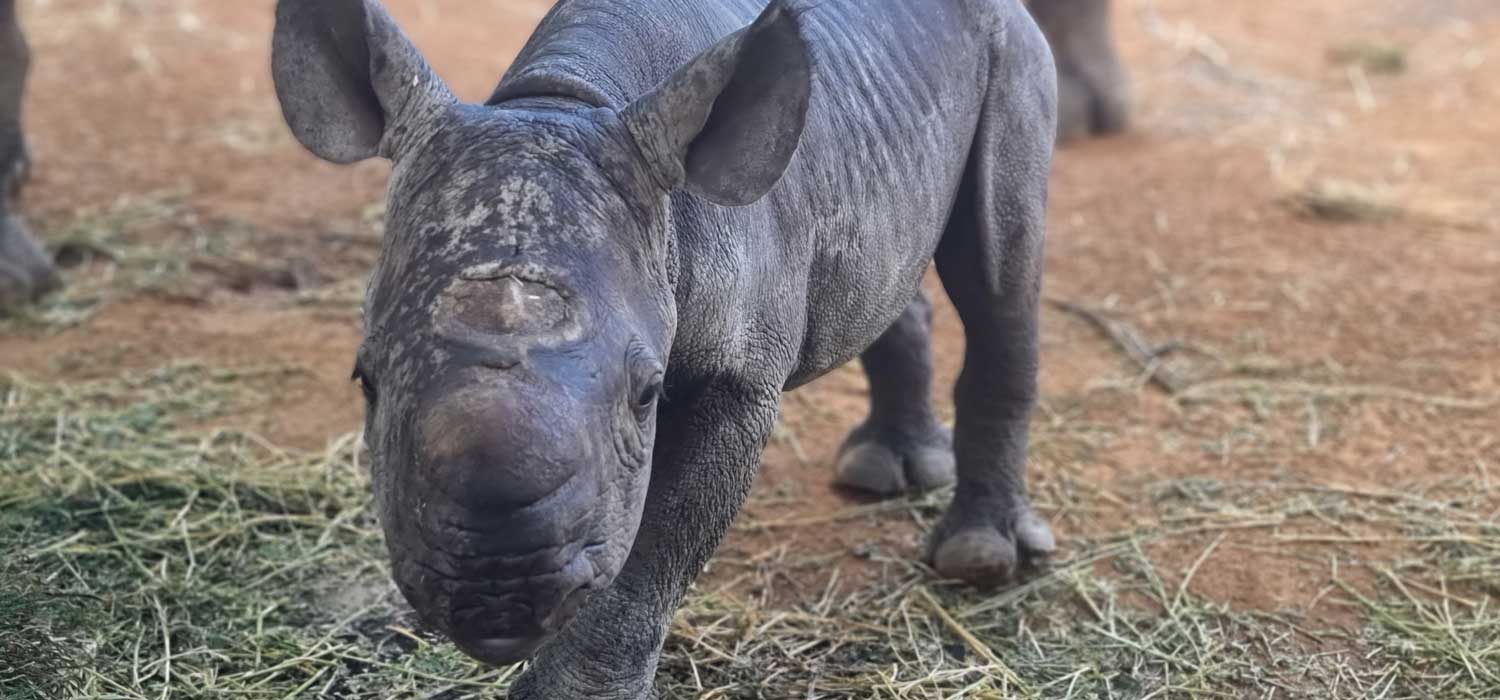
{"x":521,"y":314}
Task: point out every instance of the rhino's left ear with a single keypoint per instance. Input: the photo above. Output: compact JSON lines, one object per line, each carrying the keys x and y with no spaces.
{"x":726,"y":124}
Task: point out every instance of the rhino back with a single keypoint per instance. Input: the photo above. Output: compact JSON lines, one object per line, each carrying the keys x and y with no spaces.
{"x":820,"y":267}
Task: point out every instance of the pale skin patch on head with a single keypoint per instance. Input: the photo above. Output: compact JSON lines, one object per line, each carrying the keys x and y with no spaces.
{"x":465,"y":227}
{"x":516,"y":211}
{"x":524,"y":205}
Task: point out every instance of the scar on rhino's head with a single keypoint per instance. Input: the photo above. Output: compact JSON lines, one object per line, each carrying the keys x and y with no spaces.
{"x":507,"y":301}
{"x":521,"y":314}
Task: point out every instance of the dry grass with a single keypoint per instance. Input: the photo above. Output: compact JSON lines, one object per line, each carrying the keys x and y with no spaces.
{"x":104,"y":258}
{"x":157,"y":245}
{"x":205,"y":564}
{"x":144,"y":560}
{"x":1375,"y":57}
{"x":1341,"y":200}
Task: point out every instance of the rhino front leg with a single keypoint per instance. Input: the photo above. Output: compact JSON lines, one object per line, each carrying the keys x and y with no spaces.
{"x":901,"y":446}
{"x":990,"y":261}
{"x":25,"y":270}
{"x":708,"y":451}
{"x":1092,"y":88}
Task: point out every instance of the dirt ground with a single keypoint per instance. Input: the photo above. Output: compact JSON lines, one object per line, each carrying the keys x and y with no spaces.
{"x":1314,"y":242}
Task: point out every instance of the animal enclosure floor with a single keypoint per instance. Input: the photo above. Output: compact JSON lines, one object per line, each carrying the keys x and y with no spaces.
{"x":1302,"y":232}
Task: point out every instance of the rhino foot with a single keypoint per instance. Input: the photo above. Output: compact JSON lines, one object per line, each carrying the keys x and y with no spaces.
{"x":889,"y":463}
{"x":988,"y":549}
{"x":26,"y":272}
{"x":1089,"y":107}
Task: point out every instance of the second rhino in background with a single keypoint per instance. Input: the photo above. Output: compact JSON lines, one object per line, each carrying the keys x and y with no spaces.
{"x":1092,"y":89}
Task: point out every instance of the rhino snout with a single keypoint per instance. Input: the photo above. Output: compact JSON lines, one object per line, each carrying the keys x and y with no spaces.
{"x":495,"y":445}
{"x":501,"y":522}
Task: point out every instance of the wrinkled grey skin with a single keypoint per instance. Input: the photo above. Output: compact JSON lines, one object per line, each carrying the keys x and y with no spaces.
{"x":26,"y":271}
{"x":1092,"y":89}
{"x":595,"y":288}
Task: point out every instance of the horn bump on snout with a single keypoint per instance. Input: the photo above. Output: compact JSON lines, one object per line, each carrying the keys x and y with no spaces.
{"x":508,"y":305}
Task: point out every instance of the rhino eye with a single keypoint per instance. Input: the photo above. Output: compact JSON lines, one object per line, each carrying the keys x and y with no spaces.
{"x":646,"y":376}
{"x":649,"y":394}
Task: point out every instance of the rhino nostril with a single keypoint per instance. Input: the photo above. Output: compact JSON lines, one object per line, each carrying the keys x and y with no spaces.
{"x":503,"y":357}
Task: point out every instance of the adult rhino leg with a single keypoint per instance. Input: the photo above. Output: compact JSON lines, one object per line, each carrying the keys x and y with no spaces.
{"x":990,"y":261}
{"x":900,"y":446}
{"x":15,"y":62}
{"x":25,"y":270}
{"x":1092,"y":87}
{"x":708,"y":449}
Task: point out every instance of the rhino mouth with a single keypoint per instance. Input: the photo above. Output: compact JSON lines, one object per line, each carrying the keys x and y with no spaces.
{"x":500,"y":615}
{"x":501,"y":651}
{"x":513,"y":647}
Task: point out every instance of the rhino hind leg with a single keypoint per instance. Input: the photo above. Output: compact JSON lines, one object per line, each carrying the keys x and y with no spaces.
{"x":1092,"y":87}
{"x":26,"y":272}
{"x":901,"y":446}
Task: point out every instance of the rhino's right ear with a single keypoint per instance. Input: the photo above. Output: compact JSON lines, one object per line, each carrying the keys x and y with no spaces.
{"x":351,"y":85}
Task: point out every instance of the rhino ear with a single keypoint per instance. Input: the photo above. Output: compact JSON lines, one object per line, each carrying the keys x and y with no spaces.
{"x":349,"y":82}
{"x":726,"y":124}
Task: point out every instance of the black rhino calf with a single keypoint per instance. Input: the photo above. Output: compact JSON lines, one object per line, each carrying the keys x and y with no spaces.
{"x":25,"y":270}
{"x":595,"y":287}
